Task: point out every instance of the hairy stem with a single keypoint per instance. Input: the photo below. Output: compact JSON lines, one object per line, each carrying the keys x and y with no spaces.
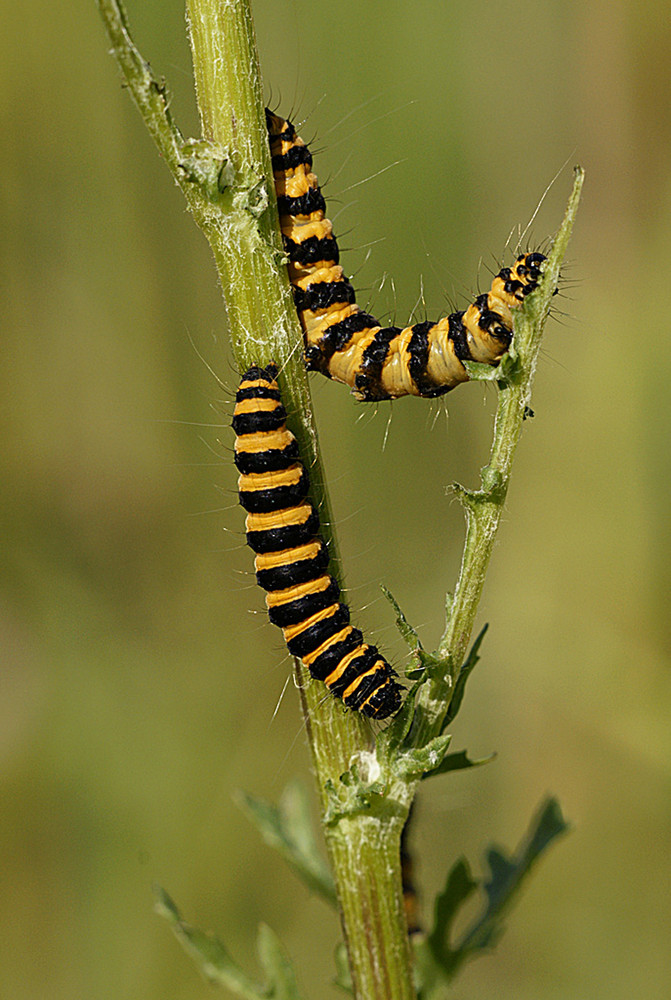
{"x":484,"y":507}
{"x":227,"y":180}
{"x":367,"y":879}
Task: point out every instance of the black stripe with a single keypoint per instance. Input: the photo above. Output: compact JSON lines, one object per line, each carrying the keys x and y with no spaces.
{"x":277,"y":498}
{"x":313,"y":637}
{"x":312,"y":250}
{"x":257,"y":392}
{"x":530,"y":263}
{"x":418,"y":349}
{"x":294,"y":573}
{"x":385,"y":702}
{"x":288,"y":536}
{"x":355,"y":668}
{"x":258,"y":374}
{"x":288,"y":133}
{"x":270,"y":460}
{"x":294,"y":157}
{"x":327,"y":661}
{"x":272,"y":119}
{"x":259,"y":421}
{"x":511,"y":285}
{"x":303,"y":204}
{"x":368,"y":380}
{"x":368,"y":685}
{"x":297,"y":611}
{"x":492,"y":322}
{"x":315,"y":360}
{"x":504,"y":274}
{"x":337,"y":336}
{"x":323,"y":294}
{"x":457,"y":335}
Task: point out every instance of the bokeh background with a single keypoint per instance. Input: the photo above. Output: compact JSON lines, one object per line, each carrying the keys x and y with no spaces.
{"x":139,"y":675}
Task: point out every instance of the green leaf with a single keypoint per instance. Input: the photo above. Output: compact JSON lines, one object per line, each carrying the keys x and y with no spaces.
{"x":509,"y":371}
{"x":422,"y":760}
{"x":343,"y":977}
{"x":478,"y":372}
{"x":280,"y":975}
{"x":407,"y":631}
{"x":209,"y":954}
{"x":465,"y":672}
{"x":288,"y":829}
{"x":458,"y":762}
{"x":391,"y":739}
{"x":459,"y":886}
{"x":501,"y":886}
{"x":507,"y":873}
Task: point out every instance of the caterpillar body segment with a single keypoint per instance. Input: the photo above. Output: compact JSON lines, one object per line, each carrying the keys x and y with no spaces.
{"x":349,"y":345}
{"x":292,"y":560}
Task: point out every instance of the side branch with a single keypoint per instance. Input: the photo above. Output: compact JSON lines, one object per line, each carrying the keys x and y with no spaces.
{"x":484,"y":506}
{"x":149,"y":94}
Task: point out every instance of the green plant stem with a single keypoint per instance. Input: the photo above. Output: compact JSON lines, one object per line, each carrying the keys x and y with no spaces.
{"x":227,"y":180}
{"x":368,"y":850}
{"x":367,"y":878}
{"x":485,"y":506}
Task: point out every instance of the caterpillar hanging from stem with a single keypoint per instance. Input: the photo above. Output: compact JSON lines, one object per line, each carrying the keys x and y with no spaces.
{"x":349,"y":345}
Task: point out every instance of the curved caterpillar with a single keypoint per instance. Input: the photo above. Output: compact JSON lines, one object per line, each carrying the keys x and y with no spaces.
{"x":292,"y":559}
{"x":349,"y":345}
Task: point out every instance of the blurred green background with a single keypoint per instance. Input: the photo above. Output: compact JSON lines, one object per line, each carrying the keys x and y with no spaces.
{"x":139,"y":674}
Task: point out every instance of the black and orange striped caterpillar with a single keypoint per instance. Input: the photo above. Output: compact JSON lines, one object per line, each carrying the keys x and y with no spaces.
{"x":349,"y":345}
{"x":292,"y":559}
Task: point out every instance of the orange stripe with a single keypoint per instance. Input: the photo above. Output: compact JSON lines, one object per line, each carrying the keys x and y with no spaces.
{"x":277,"y":597}
{"x":291,"y":631}
{"x":279,"y":518}
{"x":338,"y":637}
{"x":344,"y":664}
{"x":285,"y":557}
{"x":252,"y":482}
{"x":264,"y":441}
{"x":255,"y":405}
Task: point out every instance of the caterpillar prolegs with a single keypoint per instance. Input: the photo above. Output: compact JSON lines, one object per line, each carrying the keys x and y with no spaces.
{"x":349,"y":345}
{"x":292,"y":559}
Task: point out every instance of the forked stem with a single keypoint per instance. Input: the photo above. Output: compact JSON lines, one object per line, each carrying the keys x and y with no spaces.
{"x":227,"y":180}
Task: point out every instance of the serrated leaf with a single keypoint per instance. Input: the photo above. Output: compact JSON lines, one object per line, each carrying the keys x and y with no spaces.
{"x":281,"y":978}
{"x":507,"y":873}
{"x":458,"y":761}
{"x":465,"y":672}
{"x":502,"y":886}
{"x":208,"y":952}
{"x":288,"y":829}
{"x":460,"y":885}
